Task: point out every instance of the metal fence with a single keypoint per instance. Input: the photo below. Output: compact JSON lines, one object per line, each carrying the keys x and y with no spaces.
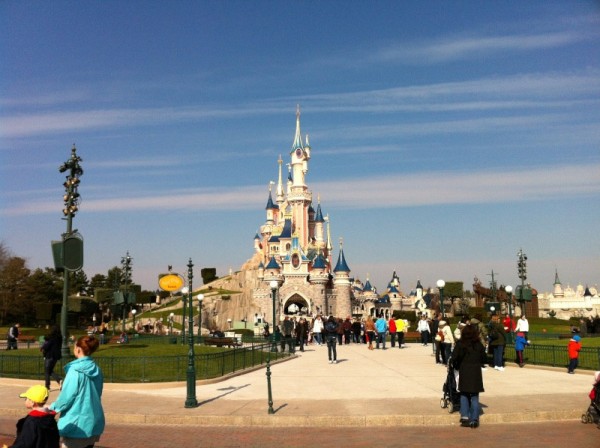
{"x":555,"y":356}
{"x":151,"y":368}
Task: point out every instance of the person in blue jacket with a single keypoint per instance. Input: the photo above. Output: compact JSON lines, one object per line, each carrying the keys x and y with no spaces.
{"x":81,"y":419}
{"x":520,"y":344}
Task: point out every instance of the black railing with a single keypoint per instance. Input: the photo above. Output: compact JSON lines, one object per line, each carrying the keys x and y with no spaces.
{"x":151,"y":368}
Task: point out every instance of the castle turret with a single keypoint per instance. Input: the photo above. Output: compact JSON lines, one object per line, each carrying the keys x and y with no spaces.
{"x":343,"y":306}
{"x":558,"y":290}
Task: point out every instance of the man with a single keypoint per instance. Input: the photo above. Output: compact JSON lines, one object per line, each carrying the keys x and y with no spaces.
{"x":392,"y":329}
{"x":287,"y":328}
{"x":424,"y":329}
{"x":497,"y":338}
{"x":301,"y":333}
{"x":13,"y":337}
{"x":347,"y":325}
{"x":381,"y":328}
{"x":401,"y":327}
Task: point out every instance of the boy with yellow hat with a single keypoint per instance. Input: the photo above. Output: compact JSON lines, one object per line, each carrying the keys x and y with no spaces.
{"x":38,"y":429}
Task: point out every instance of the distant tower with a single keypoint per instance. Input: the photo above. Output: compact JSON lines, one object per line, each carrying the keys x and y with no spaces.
{"x":558,"y":291}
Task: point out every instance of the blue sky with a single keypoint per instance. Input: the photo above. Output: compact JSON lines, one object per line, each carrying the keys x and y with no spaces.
{"x":446,"y":135}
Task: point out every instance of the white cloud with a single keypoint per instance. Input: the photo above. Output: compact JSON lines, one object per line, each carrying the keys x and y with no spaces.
{"x":397,"y":190}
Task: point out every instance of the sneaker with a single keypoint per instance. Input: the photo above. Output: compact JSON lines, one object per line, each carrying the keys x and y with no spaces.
{"x":335,"y":361}
{"x":501,"y":369}
{"x":464,"y":422}
{"x":330,"y":361}
{"x":475,"y":423}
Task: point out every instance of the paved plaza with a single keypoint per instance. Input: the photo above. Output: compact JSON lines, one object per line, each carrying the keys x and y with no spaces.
{"x":373,"y":390}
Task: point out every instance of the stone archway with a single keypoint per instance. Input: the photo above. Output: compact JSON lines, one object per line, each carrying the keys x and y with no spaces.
{"x":296,"y":305}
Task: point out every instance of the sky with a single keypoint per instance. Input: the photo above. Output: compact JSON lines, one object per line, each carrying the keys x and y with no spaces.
{"x":446,"y":136}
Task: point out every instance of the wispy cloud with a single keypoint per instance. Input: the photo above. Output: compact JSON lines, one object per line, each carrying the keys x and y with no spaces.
{"x":456,"y":48}
{"x":397,"y":190}
{"x":530,"y":91}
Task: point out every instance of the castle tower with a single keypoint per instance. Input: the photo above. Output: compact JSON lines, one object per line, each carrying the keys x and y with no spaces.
{"x":299,"y":197}
{"x":343,"y":306}
{"x":558,"y":291}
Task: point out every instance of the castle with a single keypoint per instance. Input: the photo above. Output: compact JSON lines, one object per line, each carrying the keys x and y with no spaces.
{"x":293,"y":260}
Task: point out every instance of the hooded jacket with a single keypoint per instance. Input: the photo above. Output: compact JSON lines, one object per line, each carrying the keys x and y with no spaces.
{"x":79,"y":405}
{"x":37,"y":430}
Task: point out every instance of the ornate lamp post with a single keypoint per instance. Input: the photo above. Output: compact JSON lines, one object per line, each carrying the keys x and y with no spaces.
{"x":274,"y":285}
{"x":126,"y":270}
{"x":522,"y":269}
{"x":171,"y":316}
{"x":184,"y":295}
{"x":440,"y":285}
{"x":71,"y":199}
{"x":509,"y":289}
{"x":191,"y":401}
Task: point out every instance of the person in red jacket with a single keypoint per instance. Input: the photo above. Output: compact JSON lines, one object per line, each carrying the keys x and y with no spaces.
{"x":393,"y":330}
{"x":574,"y":348}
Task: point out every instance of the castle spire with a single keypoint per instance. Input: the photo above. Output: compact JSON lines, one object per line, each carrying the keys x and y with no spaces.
{"x":280,"y":195}
{"x":298,"y":137}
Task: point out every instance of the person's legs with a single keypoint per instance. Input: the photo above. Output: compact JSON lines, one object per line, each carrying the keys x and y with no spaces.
{"x":474,"y":410}
{"x":465,"y":408}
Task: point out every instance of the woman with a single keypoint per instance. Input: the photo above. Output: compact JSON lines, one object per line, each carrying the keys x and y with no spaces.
{"x":81,"y":415}
{"x":370,"y":331}
{"x":331,"y":333}
{"x":51,"y":349}
{"x":468,"y":358}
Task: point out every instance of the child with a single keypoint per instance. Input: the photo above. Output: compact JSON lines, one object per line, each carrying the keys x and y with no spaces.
{"x":574,"y":348}
{"x":38,"y":428}
{"x":520,"y":343}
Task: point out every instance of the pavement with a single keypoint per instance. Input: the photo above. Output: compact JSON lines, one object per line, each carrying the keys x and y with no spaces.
{"x":365,"y":389}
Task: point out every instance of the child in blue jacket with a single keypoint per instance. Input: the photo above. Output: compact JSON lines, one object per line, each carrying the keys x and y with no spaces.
{"x":520,"y":343}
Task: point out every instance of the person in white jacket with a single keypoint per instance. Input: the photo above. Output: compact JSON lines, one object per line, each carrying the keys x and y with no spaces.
{"x":447,"y":341}
{"x":523,"y":326}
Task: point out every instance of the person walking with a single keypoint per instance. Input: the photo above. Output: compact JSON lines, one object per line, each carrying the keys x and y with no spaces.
{"x":401,"y":327}
{"x":287,"y":327}
{"x":331,"y":332}
{"x":423,"y":329}
{"x":520,"y":344}
{"x":12,"y":339}
{"x":447,"y":341}
{"x":393,"y":331}
{"x":81,"y":421}
{"x":347,"y":330}
{"x":301,"y":333}
{"x":574,"y":348}
{"x":523,"y":326}
{"x":370,"y":331}
{"x":497,"y":342}
{"x":318,"y":329}
{"x":38,"y":429}
{"x":51,"y":350}
{"x":381,"y":329}
{"x":468,"y":357}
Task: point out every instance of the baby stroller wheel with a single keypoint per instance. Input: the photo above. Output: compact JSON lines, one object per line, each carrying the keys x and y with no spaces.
{"x":450,"y":408}
{"x":584,"y":418}
{"x":443,"y":403}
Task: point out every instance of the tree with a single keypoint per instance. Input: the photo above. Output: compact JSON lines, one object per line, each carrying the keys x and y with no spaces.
{"x":97,"y":281}
{"x":15,"y":300}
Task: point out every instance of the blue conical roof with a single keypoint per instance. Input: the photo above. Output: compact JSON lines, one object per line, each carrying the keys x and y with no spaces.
{"x":270,"y":204}
{"x":319,"y":216}
{"x":273,"y":264}
{"x":341,"y":265}
{"x":287,"y":229}
{"x":319,"y":262}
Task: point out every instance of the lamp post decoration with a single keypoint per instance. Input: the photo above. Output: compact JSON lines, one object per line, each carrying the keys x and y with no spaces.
{"x":440,"y":284}
{"x":71,"y":207}
{"x":171,"y":316}
{"x":190,"y":401}
{"x":133,"y":313}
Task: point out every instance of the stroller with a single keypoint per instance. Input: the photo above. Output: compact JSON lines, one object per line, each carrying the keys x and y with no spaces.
{"x":451,"y":398}
{"x":592,"y":415}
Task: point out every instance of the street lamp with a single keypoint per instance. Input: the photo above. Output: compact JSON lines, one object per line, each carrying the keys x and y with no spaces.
{"x":184,"y":293}
{"x":171,"y":316}
{"x":126,"y":271}
{"x":191,"y":401}
{"x":133,"y":312}
{"x":440,"y":284}
{"x":274,"y":284}
{"x":71,"y":199}
{"x":509,"y":289}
